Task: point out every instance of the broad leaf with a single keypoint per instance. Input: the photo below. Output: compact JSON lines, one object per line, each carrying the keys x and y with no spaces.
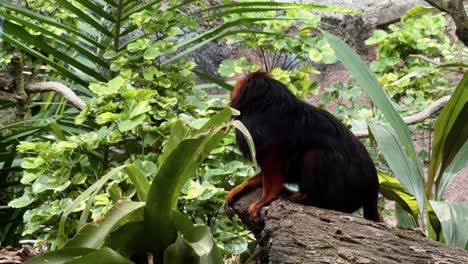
{"x":139,"y":180}
{"x":60,"y":256}
{"x":391,"y":189}
{"x":459,"y":162}
{"x":397,"y":159}
{"x":454,"y":220}
{"x":178,"y":132}
{"x":93,"y":234}
{"x":83,"y":197}
{"x":450,"y":132}
{"x":165,"y":189}
{"x":373,"y":89}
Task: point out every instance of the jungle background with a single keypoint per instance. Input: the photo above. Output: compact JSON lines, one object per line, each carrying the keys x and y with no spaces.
{"x":114,"y":125}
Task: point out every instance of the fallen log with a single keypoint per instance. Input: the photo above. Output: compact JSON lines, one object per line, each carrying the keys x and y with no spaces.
{"x":294,"y":233}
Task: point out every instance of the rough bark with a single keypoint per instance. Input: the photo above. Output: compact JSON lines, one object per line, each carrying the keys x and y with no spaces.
{"x":295,"y":233}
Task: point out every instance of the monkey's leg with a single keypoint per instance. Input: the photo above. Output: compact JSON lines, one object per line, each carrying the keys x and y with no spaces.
{"x":272,"y":187}
{"x":255,"y":181}
{"x":371,"y":211}
{"x":270,"y":160}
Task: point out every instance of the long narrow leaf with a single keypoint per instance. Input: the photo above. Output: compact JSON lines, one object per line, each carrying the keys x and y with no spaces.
{"x":391,"y":189}
{"x":65,"y":41}
{"x":139,"y":180}
{"x":60,"y":256}
{"x":165,"y":189}
{"x":213,"y":38}
{"x":251,"y":10}
{"x":96,"y":9}
{"x":178,"y":132}
{"x":373,"y":89}
{"x":85,"y":17}
{"x":450,"y":132}
{"x":454,"y":220}
{"x":47,"y":20}
{"x":84,"y":196}
{"x":238,"y":124}
{"x":15,"y":30}
{"x":234,"y":23}
{"x":458,"y":163}
{"x":220,"y":83}
{"x":56,"y":66}
{"x":397,"y":159}
{"x":280,"y":4}
{"x":93,"y":234}
{"x":139,"y":8}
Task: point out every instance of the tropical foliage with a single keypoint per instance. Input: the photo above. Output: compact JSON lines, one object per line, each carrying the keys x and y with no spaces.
{"x":151,"y":153}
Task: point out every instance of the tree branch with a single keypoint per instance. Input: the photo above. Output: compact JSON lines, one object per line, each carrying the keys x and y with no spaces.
{"x":293,"y":233}
{"x":416,"y":118}
{"x":67,"y":93}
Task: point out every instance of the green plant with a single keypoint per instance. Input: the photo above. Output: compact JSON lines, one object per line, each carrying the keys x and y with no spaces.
{"x":286,"y":47}
{"x":414,"y":194}
{"x":408,"y":57}
{"x":123,"y":232}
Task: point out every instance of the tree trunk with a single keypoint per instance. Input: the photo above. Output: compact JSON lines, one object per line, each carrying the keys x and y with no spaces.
{"x":294,"y":233}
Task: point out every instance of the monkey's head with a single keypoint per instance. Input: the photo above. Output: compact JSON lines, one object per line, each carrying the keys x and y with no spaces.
{"x":257,"y":91}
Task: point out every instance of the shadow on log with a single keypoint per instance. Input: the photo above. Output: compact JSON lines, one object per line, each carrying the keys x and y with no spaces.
{"x":294,"y":233}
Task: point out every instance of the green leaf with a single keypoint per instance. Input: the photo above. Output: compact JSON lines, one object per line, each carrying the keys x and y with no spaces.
{"x":398,"y":161}
{"x":418,"y":11}
{"x":391,"y":189}
{"x":60,"y":256}
{"x":45,"y":19}
{"x":129,"y":239}
{"x":65,"y":72}
{"x":93,"y":234}
{"x":178,"y":132}
{"x":379,"y":36}
{"x":22,"y":201}
{"x":458,"y":163}
{"x":83,"y":197}
{"x":17,"y":31}
{"x":65,"y":41}
{"x":194,"y":243}
{"x":141,"y":108}
{"x":219,"y":119}
{"x":85,"y":17}
{"x":450,"y":133}
{"x":130,"y":124}
{"x":102,"y":256}
{"x":165,"y":189}
{"x":141,"y":183}
{"x":454,"y":220}
{"x":213,"y":80}
{"x":279,"y":4}
{"x":372,"y":88}
{"x":238,"y":124}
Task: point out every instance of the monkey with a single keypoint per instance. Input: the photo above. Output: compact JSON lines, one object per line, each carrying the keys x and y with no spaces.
{"x":299,"y":143}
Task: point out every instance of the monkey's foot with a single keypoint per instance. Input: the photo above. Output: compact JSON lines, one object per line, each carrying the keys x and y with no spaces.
{"x":253,"y":211}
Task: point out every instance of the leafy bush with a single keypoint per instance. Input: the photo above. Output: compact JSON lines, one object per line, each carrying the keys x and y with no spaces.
{"x":122,"y":233}
{"x":406,"y":57}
